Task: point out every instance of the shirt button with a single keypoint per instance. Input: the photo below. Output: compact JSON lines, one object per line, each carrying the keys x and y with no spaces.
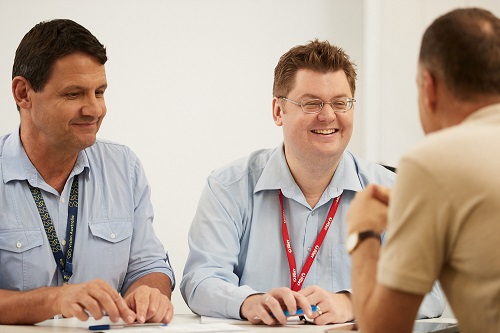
{"x":63,"y":242}
{"x":18,"y":244}
{"x":312,"y":213}
{"x":309,"y":249}
{"x":112,"y":235}
{"x":62,"y":200}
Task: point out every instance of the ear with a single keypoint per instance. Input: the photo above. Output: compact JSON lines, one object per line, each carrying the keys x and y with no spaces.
{"x":277,"y":112}
{"x":429,"y":87}
{"x":20,"y":91}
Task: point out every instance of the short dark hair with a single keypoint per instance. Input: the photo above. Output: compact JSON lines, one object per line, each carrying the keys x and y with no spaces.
{"x":48,"y":41}
{"x":462,"y":47}
{"x":318,"y":56}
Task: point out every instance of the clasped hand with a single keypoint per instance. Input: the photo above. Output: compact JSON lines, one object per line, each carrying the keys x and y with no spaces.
{"x":268,"y":308}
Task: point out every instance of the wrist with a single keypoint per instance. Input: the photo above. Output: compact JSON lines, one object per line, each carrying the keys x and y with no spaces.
{"x":356,"y":238}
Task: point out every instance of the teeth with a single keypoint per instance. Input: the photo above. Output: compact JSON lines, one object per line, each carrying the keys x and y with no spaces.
{"x":326,"y":131}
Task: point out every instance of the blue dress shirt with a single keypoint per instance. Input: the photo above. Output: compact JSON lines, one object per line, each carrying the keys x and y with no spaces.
{"x":235,"y":240}
{"x":115,"y":240}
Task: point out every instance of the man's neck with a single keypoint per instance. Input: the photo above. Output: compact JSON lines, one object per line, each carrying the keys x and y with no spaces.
{"x":53,"y":165}
{"x":312,"y":178}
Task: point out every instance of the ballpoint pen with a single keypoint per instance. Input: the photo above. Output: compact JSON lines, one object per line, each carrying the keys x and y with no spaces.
{"x":106,"y":327}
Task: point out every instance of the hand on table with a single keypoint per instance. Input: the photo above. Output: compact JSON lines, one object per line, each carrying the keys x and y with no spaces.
{"x":259,"y":307}
{"x":331,"y":308}
{"x":150,"y":305}
{"x":95,"y":297}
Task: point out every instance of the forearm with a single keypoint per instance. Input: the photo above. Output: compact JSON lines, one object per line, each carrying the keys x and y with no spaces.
{"x":156,"y":280}
{"x":28,"y":307}
{"x":364,"y":272}
{"x":375,"y":304}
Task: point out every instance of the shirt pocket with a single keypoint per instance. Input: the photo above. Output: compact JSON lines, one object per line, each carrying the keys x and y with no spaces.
{"x":22,"y":252}
{"x":111,"y":243}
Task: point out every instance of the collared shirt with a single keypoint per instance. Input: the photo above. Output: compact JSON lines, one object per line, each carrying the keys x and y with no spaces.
{"x":235,"y":240}
{"x":115,"y":240}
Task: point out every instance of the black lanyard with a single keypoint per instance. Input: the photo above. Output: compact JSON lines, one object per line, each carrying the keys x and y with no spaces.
{"x":65,"y":264}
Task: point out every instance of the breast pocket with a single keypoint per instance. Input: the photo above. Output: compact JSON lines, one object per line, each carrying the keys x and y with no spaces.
{"x":21,"y":255}
{"x":111,"y":244}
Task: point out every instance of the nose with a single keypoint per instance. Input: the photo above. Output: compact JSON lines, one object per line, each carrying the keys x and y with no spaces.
{"x":94,"y":107}
{"x":327,"y":114}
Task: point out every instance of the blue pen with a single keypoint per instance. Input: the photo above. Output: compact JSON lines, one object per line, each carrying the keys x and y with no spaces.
{"x":299,"y":312}
{"x":106,"y":327}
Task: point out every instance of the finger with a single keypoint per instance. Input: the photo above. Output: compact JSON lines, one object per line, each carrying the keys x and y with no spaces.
{"x":158,"y":306}
{"x":111,"y":302}
{"x":90,"y":304}
{"x":382,"y":194}
{"x":155,"y":309}
{"x":268,"y":308}
{"x":140,"y":300}
{"x":76,"y":311}
{"x":323,"y":319}
{"x":170,"y":313}
{"x":305,"y":304}
{"x":307,"y":291}
{"x":289,"y":301}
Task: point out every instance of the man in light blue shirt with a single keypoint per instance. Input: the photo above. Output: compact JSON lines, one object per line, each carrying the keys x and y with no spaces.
{"x":76,"y":235}
{"x":269,"y":233}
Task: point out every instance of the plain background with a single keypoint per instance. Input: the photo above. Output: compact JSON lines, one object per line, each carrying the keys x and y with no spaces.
{"x":190,"y":82}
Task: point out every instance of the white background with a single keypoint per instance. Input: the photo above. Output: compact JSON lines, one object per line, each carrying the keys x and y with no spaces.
{"x":190,"y":82}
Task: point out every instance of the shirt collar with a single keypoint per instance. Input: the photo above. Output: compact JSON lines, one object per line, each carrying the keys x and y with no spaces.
{"x":17,"y":166}
{"x":276,"y":175}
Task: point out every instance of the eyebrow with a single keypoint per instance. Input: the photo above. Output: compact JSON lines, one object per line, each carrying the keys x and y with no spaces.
{"x":78,"y":87}
{"x":312,"y":96}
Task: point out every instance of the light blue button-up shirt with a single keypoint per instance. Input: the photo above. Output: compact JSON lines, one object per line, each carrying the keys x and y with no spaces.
{"x":235,"y":240}
{"x":115,"y":240}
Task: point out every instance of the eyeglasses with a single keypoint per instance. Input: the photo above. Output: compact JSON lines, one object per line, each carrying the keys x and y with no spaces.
{"x":341,"y":104}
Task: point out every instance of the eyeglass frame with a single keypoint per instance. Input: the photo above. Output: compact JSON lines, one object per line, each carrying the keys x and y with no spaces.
{"x":301,"y":104}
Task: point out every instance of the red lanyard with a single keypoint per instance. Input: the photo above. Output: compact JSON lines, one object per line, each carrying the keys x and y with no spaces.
{"x":297,"y":282}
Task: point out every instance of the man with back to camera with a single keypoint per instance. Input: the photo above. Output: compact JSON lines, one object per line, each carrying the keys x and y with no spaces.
{"x":238,"y":265}
{"x":76,"y":235}
{"x":443,"y":215}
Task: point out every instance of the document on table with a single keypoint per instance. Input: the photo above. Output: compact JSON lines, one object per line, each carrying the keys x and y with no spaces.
{"x":193,"y":328}
{"x":293,"y":320}
{"x":211,"y":320}
{"x":183,"y":328}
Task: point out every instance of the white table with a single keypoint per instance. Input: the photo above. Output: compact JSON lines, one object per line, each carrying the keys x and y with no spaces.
{"x":180,"y":322}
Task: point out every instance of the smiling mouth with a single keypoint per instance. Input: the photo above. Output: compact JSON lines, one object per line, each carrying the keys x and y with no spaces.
{"x":325,"y":131}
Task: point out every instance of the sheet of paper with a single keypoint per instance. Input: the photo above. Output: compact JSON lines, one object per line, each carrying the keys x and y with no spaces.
{"x":213,"y":327}
{"x":210,"y":320}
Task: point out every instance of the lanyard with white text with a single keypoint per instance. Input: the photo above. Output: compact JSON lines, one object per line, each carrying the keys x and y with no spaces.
{"x":296,"y":283}
{"x":65,"y":265}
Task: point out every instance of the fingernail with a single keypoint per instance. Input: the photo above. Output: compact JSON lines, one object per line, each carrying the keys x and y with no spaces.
{"x":130,"y":319}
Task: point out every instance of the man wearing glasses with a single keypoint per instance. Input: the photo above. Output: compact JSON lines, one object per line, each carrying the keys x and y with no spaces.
{"x":269,"y":233}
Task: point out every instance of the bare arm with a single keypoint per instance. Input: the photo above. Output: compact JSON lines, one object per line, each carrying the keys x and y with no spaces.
{"x":150,"y":297}
{"x":377,"y":308}
{"x":72,"y":300}
{"x":27,"y":307}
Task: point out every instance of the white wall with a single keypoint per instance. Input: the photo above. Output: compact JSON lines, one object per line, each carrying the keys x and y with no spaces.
{"x":393,"y":31}
{"x":190,"y":82}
